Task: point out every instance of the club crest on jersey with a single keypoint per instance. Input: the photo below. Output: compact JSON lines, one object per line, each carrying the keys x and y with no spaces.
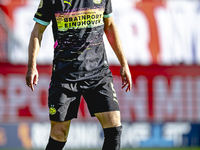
{"x":52,"y":110}
{"x":97,"y":1}
{"x":68,"y":2}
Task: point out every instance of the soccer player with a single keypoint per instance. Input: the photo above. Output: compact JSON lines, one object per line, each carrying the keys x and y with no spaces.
{"x":80,"y":66}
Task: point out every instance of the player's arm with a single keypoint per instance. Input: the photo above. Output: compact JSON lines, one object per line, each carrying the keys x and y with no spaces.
{"x":112,"y":34}
{"x":33,"y":49}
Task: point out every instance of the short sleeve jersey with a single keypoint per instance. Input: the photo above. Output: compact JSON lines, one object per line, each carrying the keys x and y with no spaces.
{"x":78,"y":29}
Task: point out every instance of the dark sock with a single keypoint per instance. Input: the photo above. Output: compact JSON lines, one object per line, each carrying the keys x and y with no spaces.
{"x":54,"y":145}
{"x":112,"y":138}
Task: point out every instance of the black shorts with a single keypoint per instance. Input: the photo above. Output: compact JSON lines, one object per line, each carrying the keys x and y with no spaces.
{"x":64,"y":98}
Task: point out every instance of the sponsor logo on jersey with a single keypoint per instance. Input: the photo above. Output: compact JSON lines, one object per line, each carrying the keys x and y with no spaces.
{"x":52,"y":111}
{"x":97,"y":1}
{"x":68,"y":2}
{"x":80,"y":19}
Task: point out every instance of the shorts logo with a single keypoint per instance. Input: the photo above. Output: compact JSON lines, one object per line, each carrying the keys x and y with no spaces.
{"x":52,"y":111}
{"x":41,"y":4}
{"x":97,"y":1}
{"x":68,"y":2}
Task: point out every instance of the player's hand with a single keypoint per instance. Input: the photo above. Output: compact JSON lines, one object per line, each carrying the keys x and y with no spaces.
{"x":126,"y":78}
{"x":32,"y":77}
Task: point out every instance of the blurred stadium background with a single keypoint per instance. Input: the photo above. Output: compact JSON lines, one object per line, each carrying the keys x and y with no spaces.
{"x":161,"y":40}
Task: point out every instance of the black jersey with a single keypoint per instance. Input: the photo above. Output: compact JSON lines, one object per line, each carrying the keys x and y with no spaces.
{"x":78,"y":29}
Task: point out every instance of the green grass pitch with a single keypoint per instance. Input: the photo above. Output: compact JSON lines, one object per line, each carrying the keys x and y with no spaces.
{"x":188,"y":148}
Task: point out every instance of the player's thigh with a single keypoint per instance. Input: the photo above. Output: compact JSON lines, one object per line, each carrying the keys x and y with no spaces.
{"x":59,"y":130}
{"x":109,"y":119}
{"x":102,"y":97}
{"x":63,"y":102}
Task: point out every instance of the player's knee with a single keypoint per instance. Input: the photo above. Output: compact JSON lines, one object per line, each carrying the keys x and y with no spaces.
{"x":109,"y":119}
{"x":115,"y":120}
{"x":58,"y":135}
{"x":59,"y":131}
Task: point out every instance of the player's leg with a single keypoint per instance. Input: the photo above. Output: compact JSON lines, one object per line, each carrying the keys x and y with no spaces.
{"x":111,"y":124}
{"x":58,"y":135}
{"x":109,"y":119}
{"x":102,"y":103}
{"x":63,"y":105}
{"x":59,"y":130}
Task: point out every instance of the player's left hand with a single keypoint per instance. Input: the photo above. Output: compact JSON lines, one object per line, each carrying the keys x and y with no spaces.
{"x":126,"y":78}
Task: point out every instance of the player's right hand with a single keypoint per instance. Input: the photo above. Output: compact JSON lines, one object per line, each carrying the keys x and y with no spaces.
{"x":32,"y":77}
